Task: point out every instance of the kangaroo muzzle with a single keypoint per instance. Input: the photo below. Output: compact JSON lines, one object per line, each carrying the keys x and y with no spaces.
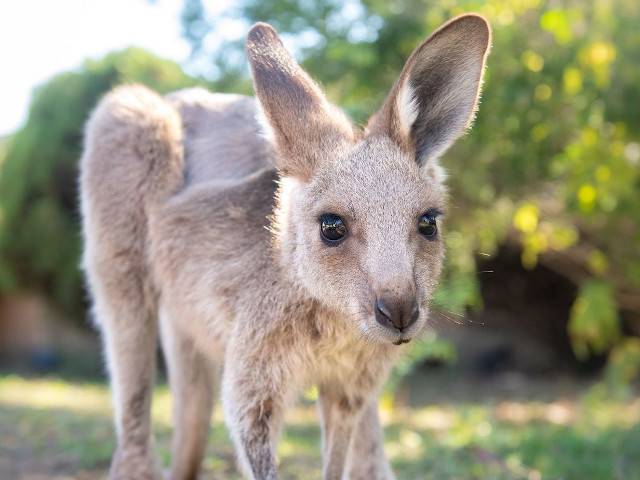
{"x":396,"y":313}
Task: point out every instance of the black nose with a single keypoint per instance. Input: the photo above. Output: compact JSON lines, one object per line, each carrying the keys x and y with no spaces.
{"x":396,"y":313}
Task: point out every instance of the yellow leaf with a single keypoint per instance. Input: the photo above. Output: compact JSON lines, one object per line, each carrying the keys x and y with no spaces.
{"x":597,"y":262}
{"x":532,"y":61}
{"x":526,"y":218}
{"x":572,"y":80}
{"x":557,"y":22}
{"x":587,"y":197}
{"x":598,"y":54}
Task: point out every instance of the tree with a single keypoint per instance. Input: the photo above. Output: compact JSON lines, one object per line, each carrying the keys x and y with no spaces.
{"x":39,"y":217}
{"x":553,"y":161}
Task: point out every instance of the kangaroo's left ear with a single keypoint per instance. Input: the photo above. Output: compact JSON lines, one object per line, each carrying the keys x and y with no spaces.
{"x":434,"y":100}
{"x":305,"y":126}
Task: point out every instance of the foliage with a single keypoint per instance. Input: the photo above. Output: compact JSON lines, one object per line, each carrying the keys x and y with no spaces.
{"x":553,"y":161}
{"x":624,"y":367}
{"x":39,"y":225}
{"x":594,"y":319}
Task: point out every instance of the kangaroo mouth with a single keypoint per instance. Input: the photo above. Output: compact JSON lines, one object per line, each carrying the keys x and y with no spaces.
{"x":400,"y":341}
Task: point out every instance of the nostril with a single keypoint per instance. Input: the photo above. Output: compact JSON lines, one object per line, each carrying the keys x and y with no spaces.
{"x":384,"y":315}
{"x":389,"y":313}
{"x":415,"y":313}
{"x":383,"y":309}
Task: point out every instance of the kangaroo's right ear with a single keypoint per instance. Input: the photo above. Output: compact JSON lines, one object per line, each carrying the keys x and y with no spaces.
{"x":304,"y":124}
{"x":435,"y":97}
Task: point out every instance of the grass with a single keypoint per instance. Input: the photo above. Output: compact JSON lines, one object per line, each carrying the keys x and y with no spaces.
{"x":459,"y":430}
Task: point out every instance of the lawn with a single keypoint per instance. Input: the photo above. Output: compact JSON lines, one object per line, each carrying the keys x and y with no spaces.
{"x":511,"y":428}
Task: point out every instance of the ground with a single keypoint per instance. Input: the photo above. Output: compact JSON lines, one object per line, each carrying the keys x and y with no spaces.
{"x":439,"y":427}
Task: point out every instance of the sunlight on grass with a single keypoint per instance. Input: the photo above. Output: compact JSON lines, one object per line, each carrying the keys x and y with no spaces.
{"x":54,"y":394}
{"x":594,"y":437}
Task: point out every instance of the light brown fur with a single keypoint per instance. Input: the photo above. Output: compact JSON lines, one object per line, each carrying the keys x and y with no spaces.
{"x":196,"y":214}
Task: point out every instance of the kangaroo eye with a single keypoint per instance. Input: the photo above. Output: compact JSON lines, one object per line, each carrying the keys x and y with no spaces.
{"x":332,"y":228}
{"x":427,"y":225}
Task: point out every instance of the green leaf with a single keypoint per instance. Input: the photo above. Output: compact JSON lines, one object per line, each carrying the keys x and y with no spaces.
{"x":594,"y":324}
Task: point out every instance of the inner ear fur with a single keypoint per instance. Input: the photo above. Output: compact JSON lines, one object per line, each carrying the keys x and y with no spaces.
{"x":435,"y":97}
{"x":304,"y":125}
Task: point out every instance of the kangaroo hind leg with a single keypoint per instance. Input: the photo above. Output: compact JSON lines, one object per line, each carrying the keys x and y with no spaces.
{"x":132,"y":161}
{"x":193,"y":379}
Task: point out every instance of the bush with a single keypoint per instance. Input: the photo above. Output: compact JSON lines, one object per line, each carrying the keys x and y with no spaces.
{"x":39,"y":218}
{"x":553,"y":161}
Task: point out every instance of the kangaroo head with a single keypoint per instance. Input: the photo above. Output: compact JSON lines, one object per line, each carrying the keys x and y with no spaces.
{"x":359,"y":213}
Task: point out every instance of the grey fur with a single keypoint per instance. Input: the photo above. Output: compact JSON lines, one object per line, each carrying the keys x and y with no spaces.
{"x":197,"y":214}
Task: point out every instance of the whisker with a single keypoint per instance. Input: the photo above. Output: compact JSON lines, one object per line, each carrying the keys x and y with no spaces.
{"x":451,"y":319}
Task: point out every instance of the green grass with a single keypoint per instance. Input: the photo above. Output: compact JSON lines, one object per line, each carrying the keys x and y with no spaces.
{"x":57,"y":429}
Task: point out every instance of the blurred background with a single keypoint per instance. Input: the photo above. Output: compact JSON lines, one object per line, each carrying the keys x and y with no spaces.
{"x":531,"y":369}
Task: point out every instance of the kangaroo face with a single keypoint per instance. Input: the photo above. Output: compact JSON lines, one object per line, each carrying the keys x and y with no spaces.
{"x":367,"y":238}
{"x":359,"y":212}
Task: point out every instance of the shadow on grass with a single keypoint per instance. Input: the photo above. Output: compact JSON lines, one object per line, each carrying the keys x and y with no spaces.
{"x":51,"y":442}
{"x":599,"y":439}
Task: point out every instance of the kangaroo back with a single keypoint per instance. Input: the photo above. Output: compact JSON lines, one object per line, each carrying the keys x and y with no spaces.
{"x":132,"y":161}
{"x":223,"y":139}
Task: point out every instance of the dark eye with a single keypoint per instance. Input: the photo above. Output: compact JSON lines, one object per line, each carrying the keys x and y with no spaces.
{"x":332,"y":228}
{"x":427,"y":225}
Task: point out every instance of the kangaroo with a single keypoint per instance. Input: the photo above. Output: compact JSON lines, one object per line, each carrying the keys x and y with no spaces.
{"x":271,"y":245}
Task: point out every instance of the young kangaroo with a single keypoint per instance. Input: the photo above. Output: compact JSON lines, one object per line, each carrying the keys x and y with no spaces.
{"x":269,"y":254}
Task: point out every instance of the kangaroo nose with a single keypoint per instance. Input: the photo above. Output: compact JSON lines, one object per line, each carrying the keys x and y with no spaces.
{"x":396,"y":313}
